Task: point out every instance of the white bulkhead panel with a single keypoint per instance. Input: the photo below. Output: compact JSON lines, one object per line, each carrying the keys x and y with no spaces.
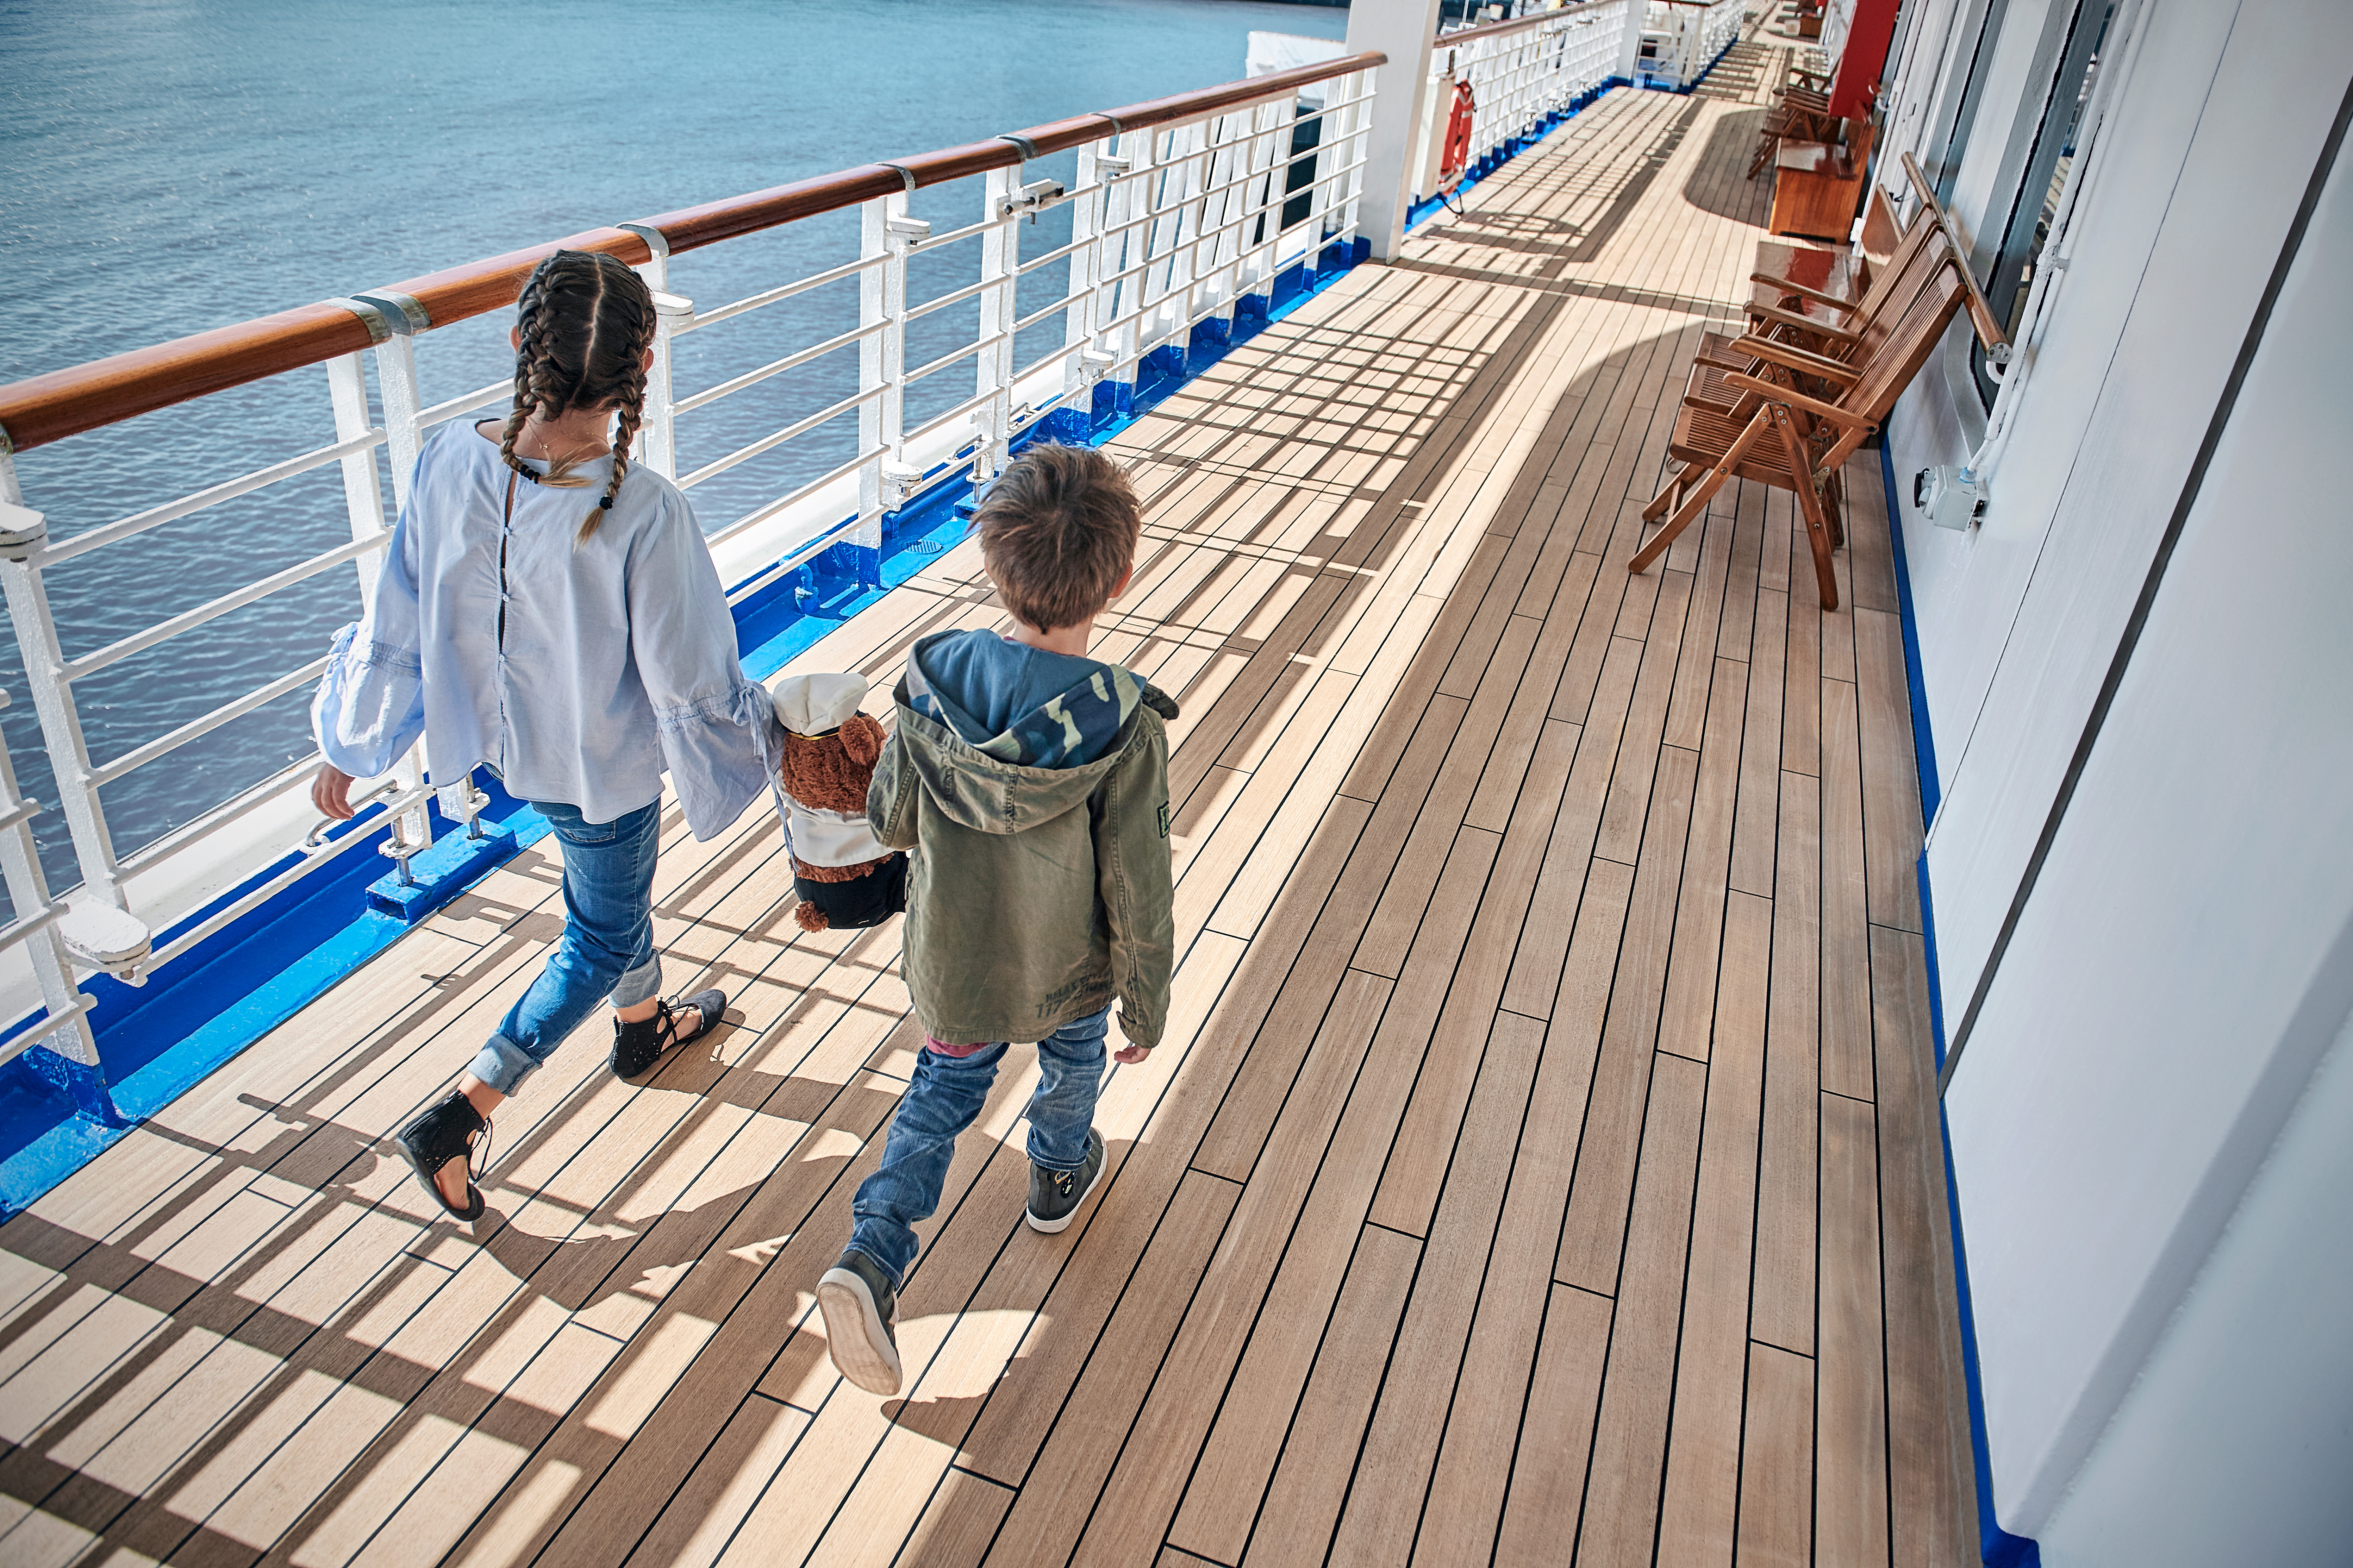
{"x":2234,"y":1446}
{"x":2187,"y":955}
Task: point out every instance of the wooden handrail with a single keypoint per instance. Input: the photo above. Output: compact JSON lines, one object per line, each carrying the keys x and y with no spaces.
{"x":1511,"y":25}
{"x":1982,"y":316}
{"x":45,"y":408}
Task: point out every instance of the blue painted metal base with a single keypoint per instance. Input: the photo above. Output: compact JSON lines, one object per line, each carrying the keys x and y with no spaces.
{"x":79,"y":1081}
{"x":438,"y":874}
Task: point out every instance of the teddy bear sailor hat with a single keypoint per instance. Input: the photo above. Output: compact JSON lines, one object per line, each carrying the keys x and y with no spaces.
{"x":814,"y":704}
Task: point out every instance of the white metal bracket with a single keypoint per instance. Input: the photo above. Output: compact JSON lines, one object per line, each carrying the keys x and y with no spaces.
{"x":22,"y":532}
{"x":98,"y":934}
{"x":1032,"y":198}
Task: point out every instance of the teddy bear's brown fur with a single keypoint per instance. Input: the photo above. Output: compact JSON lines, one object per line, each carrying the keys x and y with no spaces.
{"x":830,"y":772}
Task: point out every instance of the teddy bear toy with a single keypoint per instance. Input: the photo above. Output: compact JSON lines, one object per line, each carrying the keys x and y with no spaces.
{"x":844,"y":877}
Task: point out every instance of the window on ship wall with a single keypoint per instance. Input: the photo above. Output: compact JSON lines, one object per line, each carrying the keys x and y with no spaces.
{"x":2009,"y":275}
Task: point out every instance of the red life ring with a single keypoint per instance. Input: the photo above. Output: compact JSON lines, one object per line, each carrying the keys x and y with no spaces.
{"x":1457,"y":154}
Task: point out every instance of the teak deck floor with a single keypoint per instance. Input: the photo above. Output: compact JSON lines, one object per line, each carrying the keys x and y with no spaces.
{"x":1542,"y":1161}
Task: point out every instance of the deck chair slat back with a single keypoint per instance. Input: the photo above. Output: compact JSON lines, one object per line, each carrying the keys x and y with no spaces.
{"x":1783,"y":438}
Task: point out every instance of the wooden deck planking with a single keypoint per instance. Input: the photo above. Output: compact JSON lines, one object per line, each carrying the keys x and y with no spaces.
{"x":1476,"y":833}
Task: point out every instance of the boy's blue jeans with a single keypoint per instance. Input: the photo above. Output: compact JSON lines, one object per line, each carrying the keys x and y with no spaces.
{"x":609,"y":940}
{"x":944,"y":1096}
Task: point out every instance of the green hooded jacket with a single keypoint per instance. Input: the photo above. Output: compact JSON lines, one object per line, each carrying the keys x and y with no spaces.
{"x":1035,"y":894}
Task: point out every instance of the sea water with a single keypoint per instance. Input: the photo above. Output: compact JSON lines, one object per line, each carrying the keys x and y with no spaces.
{"x":174,"y":166}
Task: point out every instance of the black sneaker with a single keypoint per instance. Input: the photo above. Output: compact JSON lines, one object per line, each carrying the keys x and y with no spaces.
{"x":638,"y":1046}
{"x":860,"y":1308}
{"x":1055,"y":1195}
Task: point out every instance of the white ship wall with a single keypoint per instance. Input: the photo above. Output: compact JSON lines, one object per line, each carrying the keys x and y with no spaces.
{"x":2187,"y":955}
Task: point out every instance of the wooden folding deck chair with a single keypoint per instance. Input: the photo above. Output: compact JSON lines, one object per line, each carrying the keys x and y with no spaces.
{"x":1782,"y":437}
{"x":1817,"y":357}
{"x":1801,"y":110}
{"x":1796,"y":115}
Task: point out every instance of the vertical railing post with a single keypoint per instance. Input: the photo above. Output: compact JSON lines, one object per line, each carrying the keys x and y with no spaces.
{"x":1182,"y":284}
{"x":657,"y":445}
{"x":1164,"y":216}
{"x":1131,"y":249}
{"x":24,"y":536}
{"x":885,"y":480}
{"x":1319,"y":195}
{"x":873,"y":487}
{"x":1360,"y":118}
{"x":362,"y":489}
{"x":404,"y":439}
{"x":1000,"y":252}
{"x":66,"y":1028}
{"x":1264,"y":231}
{"x":658,"y":431}
{"x":1228,"y":158}
{"x":1079,"y":363}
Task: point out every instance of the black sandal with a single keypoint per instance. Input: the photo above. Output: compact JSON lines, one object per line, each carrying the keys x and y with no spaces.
{"x":448,"y":1131}
{"x":638,"y":1046}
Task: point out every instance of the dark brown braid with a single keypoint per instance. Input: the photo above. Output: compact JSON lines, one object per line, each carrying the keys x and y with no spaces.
{"x":585,"y":321}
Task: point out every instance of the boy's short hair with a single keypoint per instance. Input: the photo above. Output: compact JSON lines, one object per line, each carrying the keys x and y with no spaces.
{"x":1058,"y":530}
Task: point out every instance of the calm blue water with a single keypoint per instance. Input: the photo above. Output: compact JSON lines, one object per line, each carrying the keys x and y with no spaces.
{"x":175,"y":166}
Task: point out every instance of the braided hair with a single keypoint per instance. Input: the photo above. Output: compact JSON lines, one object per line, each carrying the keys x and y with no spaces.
{"x":585,"y":321}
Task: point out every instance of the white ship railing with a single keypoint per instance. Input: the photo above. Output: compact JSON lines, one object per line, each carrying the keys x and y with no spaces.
{"x":1177,"y":210}
{"x":1525,"y":70}
{"x":1681,"y":39}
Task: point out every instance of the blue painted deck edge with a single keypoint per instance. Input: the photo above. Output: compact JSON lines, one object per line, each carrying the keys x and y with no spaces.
{"x":52,"y":1123}
{"x":1996,"y":1545}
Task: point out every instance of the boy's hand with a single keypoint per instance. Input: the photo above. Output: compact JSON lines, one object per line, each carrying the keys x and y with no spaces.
{"x":1131,"y":1055}
{"x":331,"y":792}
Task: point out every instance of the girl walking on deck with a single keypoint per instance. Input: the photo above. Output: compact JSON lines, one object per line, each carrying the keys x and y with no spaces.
{"x":550,"y":611}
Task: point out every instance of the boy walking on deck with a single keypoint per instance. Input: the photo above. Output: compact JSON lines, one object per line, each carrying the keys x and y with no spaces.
{"x":1032,"y":783}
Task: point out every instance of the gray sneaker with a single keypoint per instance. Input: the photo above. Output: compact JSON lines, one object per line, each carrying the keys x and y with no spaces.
{"x":1055,"y":1195}
{"x":860,"y":1307}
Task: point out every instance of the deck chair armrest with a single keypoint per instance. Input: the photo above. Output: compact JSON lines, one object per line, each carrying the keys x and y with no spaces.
{"x":1774,"y":392}
{"x":1847,"y":307}
{"x":1796,"y":359}
{"x":1805,"y":323}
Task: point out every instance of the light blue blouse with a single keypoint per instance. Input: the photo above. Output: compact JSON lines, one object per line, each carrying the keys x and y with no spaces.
{"x":619,"y":658}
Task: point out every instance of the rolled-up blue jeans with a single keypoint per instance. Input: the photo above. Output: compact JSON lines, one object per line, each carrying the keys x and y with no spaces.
{"x":609,"y":940}
{"x":942,"y":1099}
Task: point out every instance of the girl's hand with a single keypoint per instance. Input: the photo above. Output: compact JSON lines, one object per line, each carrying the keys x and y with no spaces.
{"x":1131,"y":1055}
{"x":331,"y":792}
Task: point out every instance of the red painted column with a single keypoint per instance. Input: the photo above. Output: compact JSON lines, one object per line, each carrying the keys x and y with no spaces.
{"x":1867,"y":37}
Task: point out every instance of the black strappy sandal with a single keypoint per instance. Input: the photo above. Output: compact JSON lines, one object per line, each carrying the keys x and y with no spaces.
{"x":448,"y":1131}
{"x":638,"y":1046}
